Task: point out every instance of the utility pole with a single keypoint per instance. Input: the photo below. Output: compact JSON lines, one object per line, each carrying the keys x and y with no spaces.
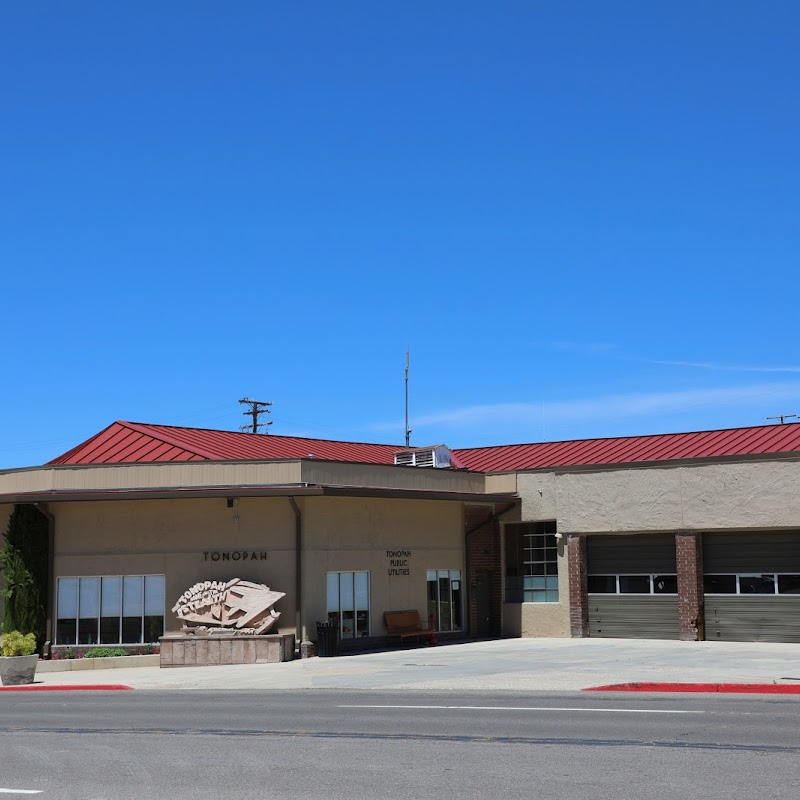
{"x":257,"y":407}
{"x":782,"y":417}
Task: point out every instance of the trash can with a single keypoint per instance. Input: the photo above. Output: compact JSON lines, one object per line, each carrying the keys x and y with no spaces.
{"x":327,"y":639}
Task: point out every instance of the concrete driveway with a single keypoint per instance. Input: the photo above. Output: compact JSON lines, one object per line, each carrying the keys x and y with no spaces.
{"x":505,"y":665}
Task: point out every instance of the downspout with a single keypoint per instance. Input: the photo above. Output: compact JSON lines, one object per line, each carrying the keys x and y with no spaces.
{"x":51,"y":530}
{"x":300,"y":629}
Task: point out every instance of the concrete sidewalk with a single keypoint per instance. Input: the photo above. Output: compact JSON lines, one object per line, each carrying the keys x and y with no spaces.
{"x":505,"y":665}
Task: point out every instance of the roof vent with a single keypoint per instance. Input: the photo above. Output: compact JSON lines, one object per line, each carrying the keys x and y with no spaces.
{"x":437,"y":457}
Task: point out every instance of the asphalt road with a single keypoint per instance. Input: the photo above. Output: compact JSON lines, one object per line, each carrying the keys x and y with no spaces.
{"x":355,"y":744}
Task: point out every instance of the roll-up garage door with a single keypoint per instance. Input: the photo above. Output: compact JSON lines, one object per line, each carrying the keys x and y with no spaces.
{"x":632,"y":587}
{"x":752,"y":586}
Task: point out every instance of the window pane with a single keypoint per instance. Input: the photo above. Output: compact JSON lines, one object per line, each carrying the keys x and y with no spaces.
{"x":89,"y":594}
{"x":154,"y":596}
{"x":362,"y":591}
{"x":445,"y":616}
{"x":67,"y":631}
{"x":67,"y":597}
{"x":346,"y":591}
{"x":132,"y":596}
{"x":67,"y":622}
{"x":132,"y":630}
{"x":719,"y":584}
{"x":110,"y":609}
{"x":433,"y":595}
{"x":111,"y":597}
{"x":362,"y":603}
{"x":455,"y":590}
{"x":333,"y":592}
{"x":603,"y":584}
{"x":789,"y":584}
{"x":665,"y":584}
{"x":132,"y":609}
{"x":153,"y":627}
{"x":634,"y":584}
{"x":756,"y":584}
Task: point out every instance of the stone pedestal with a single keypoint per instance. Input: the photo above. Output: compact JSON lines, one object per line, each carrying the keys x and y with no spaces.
{"x":206,"y":651}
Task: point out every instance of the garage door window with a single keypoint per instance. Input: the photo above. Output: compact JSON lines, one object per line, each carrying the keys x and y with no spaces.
{"x":633,"y":584}
{"x":751,"y":583}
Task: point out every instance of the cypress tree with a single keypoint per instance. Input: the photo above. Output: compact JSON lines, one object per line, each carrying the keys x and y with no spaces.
{"x":23,"y":559}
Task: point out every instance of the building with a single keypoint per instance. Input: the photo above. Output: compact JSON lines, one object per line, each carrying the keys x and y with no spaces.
{"x":689,"y":536}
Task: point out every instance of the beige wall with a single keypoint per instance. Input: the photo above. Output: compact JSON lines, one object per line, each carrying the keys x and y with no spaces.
{"x":344,"y":534}
{"x":215,"y":474}
{"x":170,"y":537}
{"x":720,"y":496}
{"x":754,"y":495}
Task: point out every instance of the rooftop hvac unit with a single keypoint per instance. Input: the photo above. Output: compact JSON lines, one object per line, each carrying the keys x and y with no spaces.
{"x":437,"y":457}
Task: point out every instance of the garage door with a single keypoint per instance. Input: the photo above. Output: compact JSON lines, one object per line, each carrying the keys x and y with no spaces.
{"x":633,"y":590}
{"x":752,"y":587}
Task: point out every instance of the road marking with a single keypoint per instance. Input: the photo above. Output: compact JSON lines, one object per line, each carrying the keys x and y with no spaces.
{"x":534,"y":708}
{"x":20,"y":791}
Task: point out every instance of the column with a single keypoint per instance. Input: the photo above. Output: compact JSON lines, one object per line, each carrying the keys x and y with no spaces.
{"x":691,"y":604}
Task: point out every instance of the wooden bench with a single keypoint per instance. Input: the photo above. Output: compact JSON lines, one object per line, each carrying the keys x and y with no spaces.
{"x":405,"y":624}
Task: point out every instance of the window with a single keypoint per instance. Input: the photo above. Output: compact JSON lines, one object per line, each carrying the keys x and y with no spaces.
{"x":348,"y":603}
{"x":444,"y":599}
{"x":110,"y":609}
{"x":751,"y":583}
{"x":531,"y":552}
{"x":633,"y":584}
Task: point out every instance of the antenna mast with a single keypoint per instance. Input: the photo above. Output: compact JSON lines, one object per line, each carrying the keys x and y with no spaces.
{"x":408,"y":430}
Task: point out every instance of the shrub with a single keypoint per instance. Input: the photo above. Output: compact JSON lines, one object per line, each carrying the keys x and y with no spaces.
{"x":15,"y":644}
{"x":23,"y":560}
{"x":105,"y":652}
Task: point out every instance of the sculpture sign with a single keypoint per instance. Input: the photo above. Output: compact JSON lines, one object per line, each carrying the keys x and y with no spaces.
{"x":227,"y":607}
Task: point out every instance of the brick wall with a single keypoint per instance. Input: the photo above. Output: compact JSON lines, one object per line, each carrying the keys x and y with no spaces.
{"x":578,"y":587}
{"x":691,"y":606}
{"x":484,"y":555}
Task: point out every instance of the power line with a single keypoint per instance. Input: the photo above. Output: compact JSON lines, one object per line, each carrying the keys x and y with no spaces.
{"x":257,"y":407}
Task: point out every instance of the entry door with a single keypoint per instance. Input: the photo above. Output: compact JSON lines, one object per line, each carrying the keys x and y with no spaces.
{"x":483,"y":604}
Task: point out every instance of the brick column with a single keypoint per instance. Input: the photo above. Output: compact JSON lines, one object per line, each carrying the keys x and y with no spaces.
{"x":578,"y":587}
{"x":484,"y":555}
{"x":691,"y":604}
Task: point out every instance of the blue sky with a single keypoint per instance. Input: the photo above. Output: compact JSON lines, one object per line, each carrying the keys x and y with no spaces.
{"x":581,"y":217}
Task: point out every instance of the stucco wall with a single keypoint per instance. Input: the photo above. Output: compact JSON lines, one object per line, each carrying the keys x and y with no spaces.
{"x":720,"y":496}
{"x":177,"y":537}
{"x":171,"y":537}
{"x":344,"y":534}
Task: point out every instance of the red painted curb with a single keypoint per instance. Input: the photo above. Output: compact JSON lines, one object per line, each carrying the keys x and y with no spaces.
{"x":729,"y":688}
{"x":40,"y":687}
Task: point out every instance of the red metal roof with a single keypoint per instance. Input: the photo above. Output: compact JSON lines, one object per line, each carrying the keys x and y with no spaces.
{"x":132,"y":442}
{"x":761,"y":440}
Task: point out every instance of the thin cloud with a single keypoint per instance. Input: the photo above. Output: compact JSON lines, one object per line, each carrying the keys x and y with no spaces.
{"x":599,"y":408}
{"x":720,"y":367}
